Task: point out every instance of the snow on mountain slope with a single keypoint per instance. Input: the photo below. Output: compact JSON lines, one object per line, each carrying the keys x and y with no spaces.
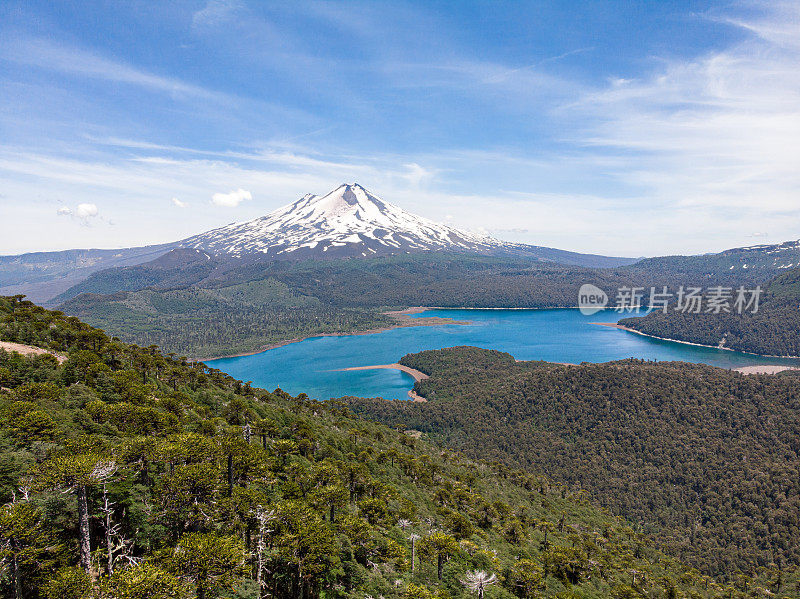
{"x":347,"y":221}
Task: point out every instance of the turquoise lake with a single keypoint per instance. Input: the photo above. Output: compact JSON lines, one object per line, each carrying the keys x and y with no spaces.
{"x":557,"y":335}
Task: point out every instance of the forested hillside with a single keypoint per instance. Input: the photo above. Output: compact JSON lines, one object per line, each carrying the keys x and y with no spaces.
{"x":192,"y":303}
{"x":430,"y":278}
{"x":703,"y":458}
{"x":44,"y":275}
{"x":773,"y":330}
{"x":204,"y":323}
{"x":209,"y":309}
{"x":125,"y":474}
{"x":758,"y":262}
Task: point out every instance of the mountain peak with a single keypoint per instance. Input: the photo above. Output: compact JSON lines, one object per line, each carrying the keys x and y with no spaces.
{"x":345,"y":198}
{"x":347,"y":221}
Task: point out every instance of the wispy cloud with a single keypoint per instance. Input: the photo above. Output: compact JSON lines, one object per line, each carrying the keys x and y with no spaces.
{"x":720,"y":131}
{"x":682,"y":154}
{"x":506,"y":74}
{"x":72,"y":60}
{"x":215,"y":12}
{"x":777,"y":25}
{"x":135,"y":187}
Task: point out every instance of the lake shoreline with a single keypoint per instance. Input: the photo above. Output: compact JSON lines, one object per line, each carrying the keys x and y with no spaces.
{"x":555,"y":336}
{"x":417,"y":375}
{"x":737,"y":351}
{"x":413,"y":372}
{"x":402,"y":319}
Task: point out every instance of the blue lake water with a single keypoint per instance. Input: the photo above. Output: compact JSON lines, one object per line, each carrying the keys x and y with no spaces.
{"x":557,"y":335}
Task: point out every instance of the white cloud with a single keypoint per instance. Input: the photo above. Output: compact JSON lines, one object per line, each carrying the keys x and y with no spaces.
{"x":85,"y":211}
{"x":179,"y":204}
{"x":418,"y":175}
{"x":82,"y":212}
{"x":695,"y":156}
{"x":779,"y":25}
{"x":231,"y":199}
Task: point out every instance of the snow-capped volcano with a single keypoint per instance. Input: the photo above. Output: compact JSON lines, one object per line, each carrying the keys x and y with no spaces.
{"x":348,"y":221}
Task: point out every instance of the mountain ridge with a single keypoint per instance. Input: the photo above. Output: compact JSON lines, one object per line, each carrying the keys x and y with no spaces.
{"x":347,"y":222}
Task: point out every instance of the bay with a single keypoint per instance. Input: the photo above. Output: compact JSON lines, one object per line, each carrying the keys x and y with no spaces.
{"x":313,"y":366}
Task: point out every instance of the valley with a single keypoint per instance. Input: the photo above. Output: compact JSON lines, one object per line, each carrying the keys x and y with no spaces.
{"x":363,"y":507}
{"x":334,"y":264}
{"x":320,"y":299}
{"x":314,"y":366}
{"x":694,"y":455}
{"x":324,"y":301}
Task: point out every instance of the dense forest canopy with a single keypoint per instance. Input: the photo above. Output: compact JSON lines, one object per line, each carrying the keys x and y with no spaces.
{"x":125,"y":473}
{"x":773,"y":330}
{"x":704,"y":459}
{"x":205,"y":307}
{"x":205,"y":323}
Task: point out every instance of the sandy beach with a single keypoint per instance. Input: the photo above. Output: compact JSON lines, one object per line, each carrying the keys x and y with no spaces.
{"x":630,"y":330}
{"x":765,"y":369}
{"x":404,"y":318}
{"x":414,"y":397}
{"x":614,"y":325}
{"x":758,"y":369}
{"x":416,"y":374}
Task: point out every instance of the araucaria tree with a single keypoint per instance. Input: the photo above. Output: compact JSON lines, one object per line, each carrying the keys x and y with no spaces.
{"x":478,"y":581}
{"x":127,"y":474}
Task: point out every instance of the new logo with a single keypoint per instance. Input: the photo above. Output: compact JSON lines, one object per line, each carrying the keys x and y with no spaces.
{"x":591,"y":299}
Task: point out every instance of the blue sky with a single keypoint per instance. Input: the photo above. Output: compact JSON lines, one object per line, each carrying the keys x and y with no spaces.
{"x":629,"y":128}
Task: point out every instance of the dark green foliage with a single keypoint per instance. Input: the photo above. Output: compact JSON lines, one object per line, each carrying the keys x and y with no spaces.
{"x":212,"y":322}
{"x":242,"y":307}
{"x":773,"y":330}
{"x":157,"y":478}
{"x":703,"y":458}
{"x":747,"y":264}
{"x":192,"y":304}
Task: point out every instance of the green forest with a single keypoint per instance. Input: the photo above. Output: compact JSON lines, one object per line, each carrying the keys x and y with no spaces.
{"x":204,"y":307}
{"x":129,"y":474}
{"x":703,"y":459}
{"x":773,"y":330}
{"x":207,"y":323}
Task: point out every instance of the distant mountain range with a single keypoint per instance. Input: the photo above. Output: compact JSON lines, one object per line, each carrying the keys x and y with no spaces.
{"x":348,"y":222}
{"x":334,"y":263}
{"x":44,"y":275}
{"x":769,"y":260}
